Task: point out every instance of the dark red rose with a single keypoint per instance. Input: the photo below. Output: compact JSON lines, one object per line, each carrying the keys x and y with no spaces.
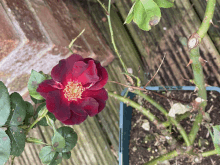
{"x":75,"y":90}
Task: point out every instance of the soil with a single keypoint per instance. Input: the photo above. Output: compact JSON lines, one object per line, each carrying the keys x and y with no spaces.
{"x":148,"y":144}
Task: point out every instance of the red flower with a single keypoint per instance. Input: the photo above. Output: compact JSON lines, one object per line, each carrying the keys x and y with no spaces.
{"x":75,"y":90}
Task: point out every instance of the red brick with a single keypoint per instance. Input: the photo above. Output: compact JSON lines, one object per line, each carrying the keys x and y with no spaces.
{"x":36,"y":35}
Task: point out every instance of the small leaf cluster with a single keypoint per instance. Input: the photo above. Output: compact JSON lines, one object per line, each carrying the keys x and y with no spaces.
{"x":146,"y":13}
{"x":63,"y":141}
{"x":17,"y":117}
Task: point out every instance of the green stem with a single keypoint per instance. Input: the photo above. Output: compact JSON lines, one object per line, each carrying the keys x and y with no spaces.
{"x":72,"y":42}
{"x":12,"y":159}
{"x":103,"y":6}
{"x":43,"y":114}
{"x":152,"y":101}
{"x":174,"y":153}
{"x":135,"y":105}
{"x":209,"y":153}
{"x":167,"y":156}
{"x":112,"y":38}
{"x":178,"y":118}
{"x":195,"y":128}
{"x":207,"y":18}
{"x":148,"y":114}
{"x":197,"y":68}
{"x":160,"y":108}
{"x":36,"y":141}
{"x":113,"y":41}
{"x":50,"y":122}
{"x":111,"y":32}
{"x":181,"y":130}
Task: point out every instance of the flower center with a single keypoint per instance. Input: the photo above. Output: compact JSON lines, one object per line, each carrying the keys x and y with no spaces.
{"x":73,"y":91}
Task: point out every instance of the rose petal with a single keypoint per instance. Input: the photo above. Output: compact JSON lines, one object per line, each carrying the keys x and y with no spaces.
{"x":90,"y":105}
{"x":72,"y":59}
{"x":61,"y":71}
{"x":86,"y":60}
{"x":101,"y":105}
{"x":74,"y":119}
{"x":76,"y":108}
{"x":48,"y":86}
{"x":58,"y":105}
{"x":96,"y":94}
{"x":89,"y":75}
{"x":103,"y":78}
{"x":99,"y":95}
{"x":78,"y":68}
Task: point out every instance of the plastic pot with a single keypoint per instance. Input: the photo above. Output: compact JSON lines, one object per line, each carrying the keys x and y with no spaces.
{"x":126,"y":114}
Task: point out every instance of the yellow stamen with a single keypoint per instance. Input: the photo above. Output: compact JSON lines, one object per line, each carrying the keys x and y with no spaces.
{"x":73,"y":91}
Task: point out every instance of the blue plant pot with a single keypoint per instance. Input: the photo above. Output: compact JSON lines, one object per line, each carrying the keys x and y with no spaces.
{"x":126,"y":114}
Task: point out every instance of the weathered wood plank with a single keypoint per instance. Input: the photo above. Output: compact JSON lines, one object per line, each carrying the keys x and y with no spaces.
{"x":138,"y":48}
{"x":176,"y":22}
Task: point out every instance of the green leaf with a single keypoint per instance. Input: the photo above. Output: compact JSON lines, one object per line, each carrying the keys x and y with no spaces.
{"x":58,"y":142}
{"x":164,"y":3}
{"x":130,"y":15}
{"x":50,"y":122}
{"x":29,"y":113}
{"x":18,"y":113}
{"x":43,"y":121}
{"x":57,"y":159}
{"x":17,"y":137}
{"x":30,"y":110}
{"x":37,"y":101}
{"x":146,"y":14}
{"x":66,"y":155}
{"x":46,"y":154}
{"x":46,"y":75}
{"x":70,"y":137}
{"x":5,"y":106}
{"x":34,"y":80}
{"x":5,"y":147}
{"x":216,"y":137}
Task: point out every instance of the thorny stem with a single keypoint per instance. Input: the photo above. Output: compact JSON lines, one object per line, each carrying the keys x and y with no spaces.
{"x":111,"y":32}
{"x":152,"y":101}
{"x":207,"y":18}
{"x":147,"y":113}
{"x":135,"y":105}
{"x":112,"y":37}
{"x":175,"y":153}
{"x":209,"y":153}
{"x":198,"y":70}
{"x":178,"y":118}
{"x":161,"y":158}
{"x":160,"y":108}
{"x":103,"y":6}
{"x":181,"y":130}
{"x":198,"y":79}
{"x":72,"y":42}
